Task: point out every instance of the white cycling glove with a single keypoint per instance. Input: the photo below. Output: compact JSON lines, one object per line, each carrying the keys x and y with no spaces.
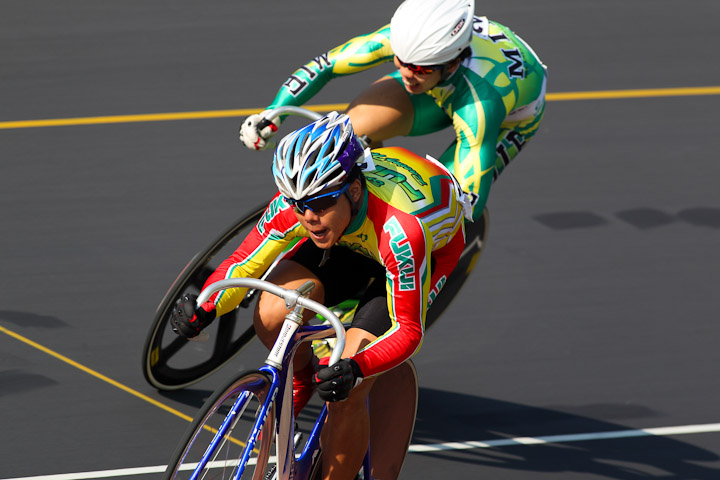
{"x":255,"y":132}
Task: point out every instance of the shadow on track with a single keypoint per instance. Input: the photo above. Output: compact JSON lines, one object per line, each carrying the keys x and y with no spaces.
{"x":451,"y":417}
{"x":641,"y":218}
{"x":29,"y":319}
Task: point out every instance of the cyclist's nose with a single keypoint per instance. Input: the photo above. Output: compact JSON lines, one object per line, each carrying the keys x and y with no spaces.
{"x":406,"y":73}
{"x":310,"y":216}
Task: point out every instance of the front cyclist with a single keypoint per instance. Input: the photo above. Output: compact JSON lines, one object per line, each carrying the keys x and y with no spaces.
{"x":392,"y":230}
{"x":453,"y":69}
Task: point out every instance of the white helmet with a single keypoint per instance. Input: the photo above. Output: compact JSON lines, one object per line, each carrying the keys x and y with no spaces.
{"x":431,"y":32}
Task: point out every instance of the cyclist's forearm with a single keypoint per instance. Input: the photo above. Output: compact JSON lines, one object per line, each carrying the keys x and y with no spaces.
{"x":445,"y":260}
{"x":303,"y":84}
{"x":276,"y":229}
{"x":407,"y":261}
{"x":355,"y":55}
{"x":391,"y":349}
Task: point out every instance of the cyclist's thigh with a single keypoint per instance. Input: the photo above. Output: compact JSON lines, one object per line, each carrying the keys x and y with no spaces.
{"x":386,"y":110}
{"x":427,"y":116}
{"x":270,"y":310}
{"x":382,"y":111}
{"x":513,"y":137}
{"x":372,"y":315}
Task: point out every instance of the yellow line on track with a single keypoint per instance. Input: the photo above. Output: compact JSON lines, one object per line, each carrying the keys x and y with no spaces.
{"x":152,"y":117}
{"x":645,"y":93}
{"x":161,"y":117}
{"x":95,"y":374}
{"x":109,"y":380}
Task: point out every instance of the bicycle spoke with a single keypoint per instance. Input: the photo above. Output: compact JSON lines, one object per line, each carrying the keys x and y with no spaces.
{"x":219,"y":439}
{"x":167,"y":363}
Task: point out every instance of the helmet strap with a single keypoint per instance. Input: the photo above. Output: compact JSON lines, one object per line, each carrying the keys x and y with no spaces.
{"x":445,"y":74}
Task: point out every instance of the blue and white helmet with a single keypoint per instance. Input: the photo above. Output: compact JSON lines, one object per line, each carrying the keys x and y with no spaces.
{"x":315,"y":157}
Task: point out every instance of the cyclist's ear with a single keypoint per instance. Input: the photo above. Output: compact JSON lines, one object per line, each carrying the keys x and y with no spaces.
{"x":452,"y":66}
{"x":355,"y":190}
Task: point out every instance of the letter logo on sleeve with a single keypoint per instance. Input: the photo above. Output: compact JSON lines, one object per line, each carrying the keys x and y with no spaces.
{"x":296,"y":84}
{"x":402,"y":251}
{"x":270,"y":212}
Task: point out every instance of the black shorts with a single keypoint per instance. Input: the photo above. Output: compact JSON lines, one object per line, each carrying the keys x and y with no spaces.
{"x":345,"y":275}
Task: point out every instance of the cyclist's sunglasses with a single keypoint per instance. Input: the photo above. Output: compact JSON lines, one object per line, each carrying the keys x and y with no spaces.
{"x":318,"y":203}
{"x":419,"y":69}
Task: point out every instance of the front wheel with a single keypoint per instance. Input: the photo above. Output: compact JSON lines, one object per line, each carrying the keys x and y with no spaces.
{"x":170,"y":362}
{"x":233,"y":409}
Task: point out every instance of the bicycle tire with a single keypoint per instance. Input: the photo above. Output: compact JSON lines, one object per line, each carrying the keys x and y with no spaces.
{"x":169,"y":361}
{"x":476,"y":235}
{"x":225,"y":457}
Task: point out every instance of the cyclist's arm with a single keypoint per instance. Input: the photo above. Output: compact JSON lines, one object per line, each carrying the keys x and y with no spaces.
{"x":477,"y":125}
{"x":355,"y":55}
{"x":272,"y":234}
{"x":405,"y":247}
{"x":445,"y":260}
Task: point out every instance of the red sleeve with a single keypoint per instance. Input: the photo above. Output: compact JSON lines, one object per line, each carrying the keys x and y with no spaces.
{"x":273,"y":233}
{"x":446,"y":259}
{"x":404,"y":244}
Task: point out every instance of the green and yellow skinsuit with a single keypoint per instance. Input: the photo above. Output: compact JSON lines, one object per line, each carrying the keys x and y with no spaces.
{"x":494,"y":100}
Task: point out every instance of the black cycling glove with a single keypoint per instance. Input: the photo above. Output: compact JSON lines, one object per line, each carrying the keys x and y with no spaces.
{"x":334,"y":383}
{"x":186,"y":320}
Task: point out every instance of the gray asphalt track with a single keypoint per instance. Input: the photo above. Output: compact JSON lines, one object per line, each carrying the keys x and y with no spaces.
{"x":593,"y":308}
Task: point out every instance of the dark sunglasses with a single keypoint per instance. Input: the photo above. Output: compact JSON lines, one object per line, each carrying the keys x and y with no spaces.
{"x":318,"y":203}
{"x":419,"y":69}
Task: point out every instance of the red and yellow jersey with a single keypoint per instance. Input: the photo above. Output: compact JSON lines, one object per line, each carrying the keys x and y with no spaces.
{"x":410,"y":213}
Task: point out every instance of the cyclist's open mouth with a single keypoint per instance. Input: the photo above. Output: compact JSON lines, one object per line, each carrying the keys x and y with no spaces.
{"x":319,"y":234}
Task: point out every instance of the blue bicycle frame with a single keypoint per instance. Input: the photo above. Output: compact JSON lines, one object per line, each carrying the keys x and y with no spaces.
{"x":278,"y":403}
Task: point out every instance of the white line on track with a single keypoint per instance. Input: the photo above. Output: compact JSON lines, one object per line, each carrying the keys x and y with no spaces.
{"x":505,"y":442}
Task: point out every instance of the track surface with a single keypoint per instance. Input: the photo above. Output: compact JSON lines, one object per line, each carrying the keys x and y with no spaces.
{"x":594,"y":307}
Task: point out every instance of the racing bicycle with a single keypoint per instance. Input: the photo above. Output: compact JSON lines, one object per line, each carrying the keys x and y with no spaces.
{"x":246,"y":429}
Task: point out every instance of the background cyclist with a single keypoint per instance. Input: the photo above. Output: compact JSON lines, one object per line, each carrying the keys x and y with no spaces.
{"x":453,"y":69}
{"x":393,"y":231}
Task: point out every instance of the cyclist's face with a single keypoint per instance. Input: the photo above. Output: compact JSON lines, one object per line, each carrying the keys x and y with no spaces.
{"x":416,"y":83}
{"x":326,"y":228}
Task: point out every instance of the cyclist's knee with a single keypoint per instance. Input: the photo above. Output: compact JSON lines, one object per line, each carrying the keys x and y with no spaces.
{"x":356,"y":401}
{"x":270,"y":310}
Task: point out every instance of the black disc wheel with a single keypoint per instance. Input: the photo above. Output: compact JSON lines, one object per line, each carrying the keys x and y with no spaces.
{"x":237,"y":406}
{"x":171,"y":362}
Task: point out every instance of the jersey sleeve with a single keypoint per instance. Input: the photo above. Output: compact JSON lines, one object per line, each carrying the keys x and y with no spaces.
{"x":277,"y":229}
{"x":405,"y":247}
{"x":355,"y":55}
{"x":445,"y":260}
{"x":477,"y":123}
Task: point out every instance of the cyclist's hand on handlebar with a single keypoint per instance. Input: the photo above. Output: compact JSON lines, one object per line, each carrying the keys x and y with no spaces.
{"x":186,"y":321}
{"x":255,"y":132}
{"x":334,"y":383}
